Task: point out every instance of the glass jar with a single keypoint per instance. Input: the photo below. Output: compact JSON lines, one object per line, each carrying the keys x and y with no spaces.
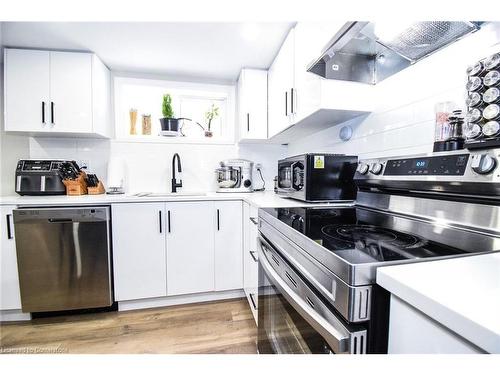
{"x":491,"y":78}
{"x":491,"y":129}
{"x":475,"y":69}
{"x":491,"y":95}
{"x":472,"y":131}
{"x":491,"y":112}
{"x":442,"y":127}
{"x":492,"y":62}
{"x":474,"y":84}
{"x":474,"y":115}
{"x":473,"y":99}
{"x":146,"y":124}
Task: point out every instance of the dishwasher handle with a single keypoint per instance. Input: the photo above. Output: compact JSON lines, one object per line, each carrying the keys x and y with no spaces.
{"x":62,"y":220}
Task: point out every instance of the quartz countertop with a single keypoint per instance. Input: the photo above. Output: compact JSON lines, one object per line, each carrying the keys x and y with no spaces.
{"x":258,"y":199}
{"x":463,"y":294}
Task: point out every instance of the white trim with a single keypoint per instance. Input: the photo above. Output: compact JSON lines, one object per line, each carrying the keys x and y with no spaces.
{"x":179,"y":300}
{"x":13,"y":316}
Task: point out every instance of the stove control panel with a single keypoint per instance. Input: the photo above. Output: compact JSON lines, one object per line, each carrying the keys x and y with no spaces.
{"x":442,"y":165}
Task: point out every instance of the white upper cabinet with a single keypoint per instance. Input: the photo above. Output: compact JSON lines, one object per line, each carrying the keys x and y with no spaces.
{"x":280,"y":84}
{"x":56,"y":92}
{"x":27,"y":95}
{"x":10,"y":296}
{"x":139,"y":257}
{"x":312,"y":103}
{"x":228,"y":245}
{"x":252,"y":104}
{"x":190,"y":247}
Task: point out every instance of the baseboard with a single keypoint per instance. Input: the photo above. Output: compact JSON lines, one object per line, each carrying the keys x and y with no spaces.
{"x":179,"y":300}
{"x":13,"y":316}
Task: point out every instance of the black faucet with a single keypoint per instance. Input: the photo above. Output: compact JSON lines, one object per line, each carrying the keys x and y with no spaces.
{"x":176,"y":184}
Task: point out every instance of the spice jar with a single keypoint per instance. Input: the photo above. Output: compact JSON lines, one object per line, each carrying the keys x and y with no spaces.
{"x":473,"y":115}
{"x":491,"y":112}
{"x":473,"y":99}
{"x":491,"y":78}
{"x":475,"y":69}
{"x":472,"y":131}
{"x":474,"y":84}
{"x":492,"y":62}
{"x":146,"y":124}
{"x":491,"y":128}
{"x":491,"y":95}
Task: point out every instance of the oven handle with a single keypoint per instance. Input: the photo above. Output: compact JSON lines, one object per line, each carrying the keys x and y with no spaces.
{"x":338,"y":340}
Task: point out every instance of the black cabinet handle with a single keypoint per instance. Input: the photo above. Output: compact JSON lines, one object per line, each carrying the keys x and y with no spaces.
{"x":218,"y":220}
{"x":248,"y":122}
{"x":9,"y":230}
{"x":168,"y":213}
{"x":52,"y":119}
{"x":291,"y":101}
{"x":159,"y":219}
{"x":286,"y":103}
{"x":253,"y":302}
{"x":43,"y":112}
{"x":252,"y":253}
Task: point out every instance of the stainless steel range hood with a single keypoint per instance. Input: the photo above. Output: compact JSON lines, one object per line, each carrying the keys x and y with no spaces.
{"x":369,"y":52}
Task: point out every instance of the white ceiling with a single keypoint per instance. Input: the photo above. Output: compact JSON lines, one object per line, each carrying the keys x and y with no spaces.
{"x":191,"y":50}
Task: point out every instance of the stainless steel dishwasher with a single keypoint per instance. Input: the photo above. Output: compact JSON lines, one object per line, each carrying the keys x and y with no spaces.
{"x":63,"y":257}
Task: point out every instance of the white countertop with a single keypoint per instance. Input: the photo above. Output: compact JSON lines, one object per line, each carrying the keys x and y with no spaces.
{"x":462,"y":294}
{"x":259,"y":199}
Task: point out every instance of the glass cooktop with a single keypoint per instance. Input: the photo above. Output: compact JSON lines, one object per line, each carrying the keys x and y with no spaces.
{"x":362,"y":236}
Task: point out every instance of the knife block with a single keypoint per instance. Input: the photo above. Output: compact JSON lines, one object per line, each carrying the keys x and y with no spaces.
{"x":77,"y":186}
{"x":96,"y":190}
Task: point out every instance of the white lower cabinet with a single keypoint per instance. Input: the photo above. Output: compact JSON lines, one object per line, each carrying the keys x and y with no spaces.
{"x":250,"y":260}
{"x":228,"y":245}
{"x":139,"y":258}
{"x":190,"y":247}
{"x":10,"y":297}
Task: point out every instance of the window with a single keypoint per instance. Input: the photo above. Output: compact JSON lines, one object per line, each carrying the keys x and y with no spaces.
{"x":192,"y":101}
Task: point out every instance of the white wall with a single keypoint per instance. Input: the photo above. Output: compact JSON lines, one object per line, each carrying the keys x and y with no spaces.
{"x":403,"y":122}
{"x":149,"y":164}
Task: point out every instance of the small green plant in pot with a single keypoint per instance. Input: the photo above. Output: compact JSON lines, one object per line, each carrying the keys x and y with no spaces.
{"x":210,"y":115}
{"x":168,"y":122}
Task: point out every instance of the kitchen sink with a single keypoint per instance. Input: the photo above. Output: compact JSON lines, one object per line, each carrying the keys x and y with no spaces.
{"x":166,"y":194}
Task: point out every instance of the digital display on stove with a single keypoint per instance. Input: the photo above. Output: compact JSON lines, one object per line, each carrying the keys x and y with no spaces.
{"x":446,"y":165}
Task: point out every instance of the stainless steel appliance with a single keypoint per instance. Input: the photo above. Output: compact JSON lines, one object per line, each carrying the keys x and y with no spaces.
{"x":235,"y":175}
{"x":370,"y":52}
{"x":317,"y":177}
{"x":317,"y":265}
{"x":63,"y":257}
{"x":39,"y":177}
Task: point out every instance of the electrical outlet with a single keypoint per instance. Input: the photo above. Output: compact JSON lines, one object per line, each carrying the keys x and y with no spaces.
{"x":84,"y":164}
{"x":258,"y":166}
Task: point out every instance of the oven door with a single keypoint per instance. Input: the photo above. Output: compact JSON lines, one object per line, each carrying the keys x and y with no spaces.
{"x":293,"y":318}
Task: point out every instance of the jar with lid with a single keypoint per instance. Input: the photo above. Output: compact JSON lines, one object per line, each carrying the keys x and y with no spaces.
{"x":492,"y":95}
{"x":474,"y":115}
{"x":491,"y":129}
{"x":491,"y":112}
{"x":473,"y":99}
{"x":492,"y":62}
{"x":491,"y":78}
{"x":474,"y":84}
{"x":475,"y":69}
{"x":472,"y":131}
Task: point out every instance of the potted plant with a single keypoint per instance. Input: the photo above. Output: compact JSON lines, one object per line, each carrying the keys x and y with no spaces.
{"x":168,"y":122}
{"x":210,"y":115}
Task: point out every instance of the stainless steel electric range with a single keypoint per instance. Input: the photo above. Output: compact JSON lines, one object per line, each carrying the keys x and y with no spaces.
{"x":317,"y":265}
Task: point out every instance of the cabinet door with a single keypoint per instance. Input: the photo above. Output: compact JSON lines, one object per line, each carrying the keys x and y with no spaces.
{"x":252,"y":101}
{"x":71,"y":92}
{"x":280,"y":84}
{"x":26,"y":90}
{"x":10,"y":297}
{"x":228,"y":245}
{"x":190,"y":247}
{"x":139,"y":256}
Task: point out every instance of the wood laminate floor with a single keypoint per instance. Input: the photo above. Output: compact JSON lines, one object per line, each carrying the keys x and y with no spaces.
{"x":213,"y":327}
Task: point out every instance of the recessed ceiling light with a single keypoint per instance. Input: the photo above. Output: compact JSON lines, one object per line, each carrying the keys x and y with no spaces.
{"x":250,"y":31}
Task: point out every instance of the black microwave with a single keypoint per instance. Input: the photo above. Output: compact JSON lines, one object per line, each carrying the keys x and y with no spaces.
{"x":318,"y":177}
